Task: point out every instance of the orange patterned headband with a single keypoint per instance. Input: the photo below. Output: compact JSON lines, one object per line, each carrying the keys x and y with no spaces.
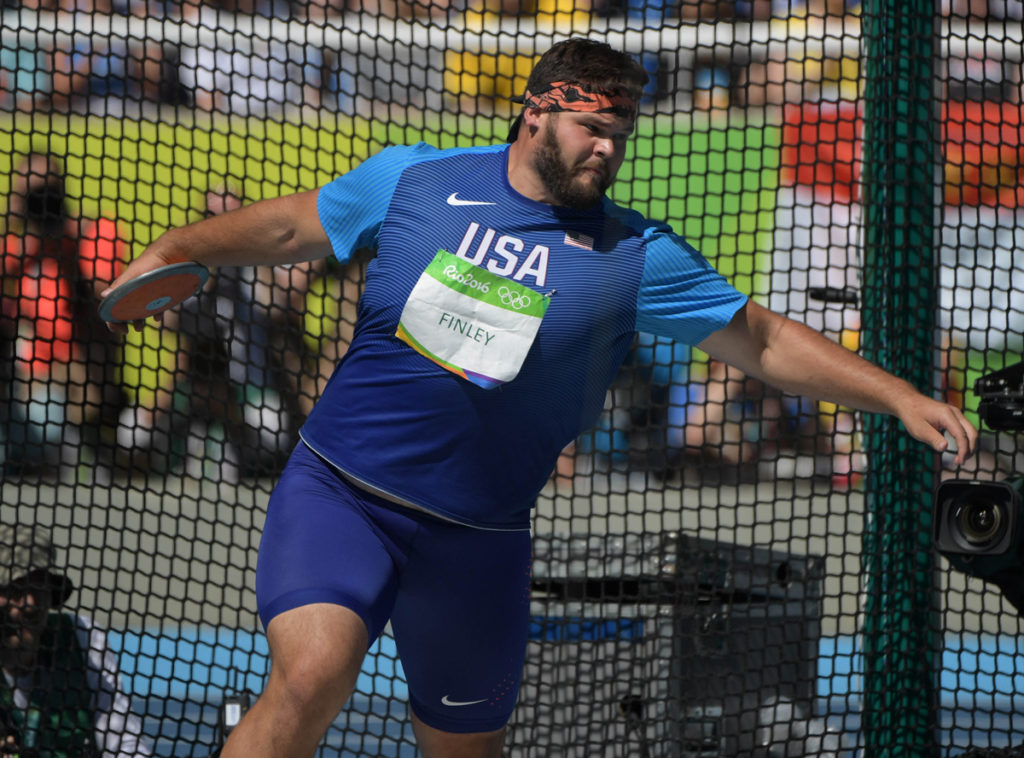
{"x":567,"y":96}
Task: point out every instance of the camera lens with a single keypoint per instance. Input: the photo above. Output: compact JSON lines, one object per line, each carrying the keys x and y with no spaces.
{"x":979,"y":522}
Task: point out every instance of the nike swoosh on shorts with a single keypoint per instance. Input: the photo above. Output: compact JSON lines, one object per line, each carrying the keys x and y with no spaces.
{"x":446,"y":701}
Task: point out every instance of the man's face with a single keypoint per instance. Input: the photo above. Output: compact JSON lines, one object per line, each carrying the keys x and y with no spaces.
{"x":22,"y":620}
{"x":580,"y":154}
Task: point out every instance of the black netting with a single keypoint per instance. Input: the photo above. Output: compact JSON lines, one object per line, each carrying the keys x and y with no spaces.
{"x":719,"y":568}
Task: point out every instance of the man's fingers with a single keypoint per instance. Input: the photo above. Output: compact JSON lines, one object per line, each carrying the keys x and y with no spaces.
{"x":123,"y":327}
{"x":962,"y":431}
{"x":934,"y":424}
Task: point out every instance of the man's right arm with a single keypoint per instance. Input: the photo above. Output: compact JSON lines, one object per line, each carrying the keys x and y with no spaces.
{"x":266,"y":233}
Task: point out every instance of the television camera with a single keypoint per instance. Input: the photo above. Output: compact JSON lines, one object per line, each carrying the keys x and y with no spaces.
{"x":979,"y":525}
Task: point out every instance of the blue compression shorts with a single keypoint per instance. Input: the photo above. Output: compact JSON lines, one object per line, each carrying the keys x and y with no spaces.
{"x":457,"y":597}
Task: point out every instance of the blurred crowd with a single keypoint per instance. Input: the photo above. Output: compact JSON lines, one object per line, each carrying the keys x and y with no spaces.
{"x":239,"y":57}
{"x":78,"y":67}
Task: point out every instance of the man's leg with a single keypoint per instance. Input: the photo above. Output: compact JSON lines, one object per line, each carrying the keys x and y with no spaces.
{"x":437,"y":744}
{"x":316,"y":654}
{"x":461,"y":621}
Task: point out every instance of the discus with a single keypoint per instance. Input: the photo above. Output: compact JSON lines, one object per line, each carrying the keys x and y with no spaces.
{"x":153,"y":292}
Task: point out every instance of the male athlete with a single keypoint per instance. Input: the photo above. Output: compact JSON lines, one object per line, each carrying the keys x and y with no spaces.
{"x":505,"y":291}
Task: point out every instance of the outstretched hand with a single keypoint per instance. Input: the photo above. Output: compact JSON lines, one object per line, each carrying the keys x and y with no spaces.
{"x":146,"y":262}
{"x":929,"y":421}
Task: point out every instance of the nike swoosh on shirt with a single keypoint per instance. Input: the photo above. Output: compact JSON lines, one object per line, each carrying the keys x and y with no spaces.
{"x":446,"y":701}
{"x":454,"y":199}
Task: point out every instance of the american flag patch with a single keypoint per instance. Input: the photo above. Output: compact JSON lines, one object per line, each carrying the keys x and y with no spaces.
{"x":578,"y":239}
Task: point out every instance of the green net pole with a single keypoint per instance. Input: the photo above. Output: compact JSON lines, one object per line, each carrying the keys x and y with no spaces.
{"x":900,"y":147}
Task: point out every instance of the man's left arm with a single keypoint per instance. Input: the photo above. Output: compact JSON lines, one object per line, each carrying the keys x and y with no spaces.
{"x":798,"y":360}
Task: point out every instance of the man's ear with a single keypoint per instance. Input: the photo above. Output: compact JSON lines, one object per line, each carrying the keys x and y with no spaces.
{"x":532,"y":118}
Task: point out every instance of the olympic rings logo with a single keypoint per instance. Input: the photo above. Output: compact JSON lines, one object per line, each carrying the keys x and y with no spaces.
{"x":512,"y":299}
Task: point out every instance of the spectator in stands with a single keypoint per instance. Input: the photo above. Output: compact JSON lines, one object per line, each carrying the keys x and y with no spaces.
{"x":259,"y":75}
{"x":711,"y":419}
{"x":24,"y":77}
{"x":60,"y":692}
{"x":206,"y":11}
{"x":816,"y":263}
{"x":98,"y":74}
{"x":666,"y":408}
{"x":700,"y":10}
{"x":316,"y":12}
{"x":328,"y":324}
{"x":483,"y":81}
{"x":112,"y":75}
{"x":297,"y":347}
{"x":228,"y":389}
{"x":59,"y":361}
{"x":403,"y":9}
{"x":91,"y":70}
{"x":648,"y":407}
{"x":980,"y":265}
{"x":26,"y":63}
{"x":830,"y":26}
{"x":983,"y":10}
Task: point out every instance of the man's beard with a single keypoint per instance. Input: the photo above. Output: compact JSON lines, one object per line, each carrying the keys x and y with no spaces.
{"x":564,"y":183}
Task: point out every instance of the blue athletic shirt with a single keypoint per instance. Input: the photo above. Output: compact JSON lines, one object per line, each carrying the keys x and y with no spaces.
{"x":398,"y":423}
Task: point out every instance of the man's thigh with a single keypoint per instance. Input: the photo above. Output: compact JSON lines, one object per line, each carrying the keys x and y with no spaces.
{"x":460,"y":621}
{"x":324,"y":542}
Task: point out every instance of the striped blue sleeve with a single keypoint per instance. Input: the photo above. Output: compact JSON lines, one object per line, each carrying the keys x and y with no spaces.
{"x":681,"y":296}
{"x":352,"y":207}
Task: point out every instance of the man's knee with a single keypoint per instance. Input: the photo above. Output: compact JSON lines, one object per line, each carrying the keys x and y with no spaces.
{"x":316,"y":653}
{"x":434,"y":743}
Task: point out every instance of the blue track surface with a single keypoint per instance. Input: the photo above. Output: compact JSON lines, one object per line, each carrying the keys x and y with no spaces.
{"x":177,"y":679}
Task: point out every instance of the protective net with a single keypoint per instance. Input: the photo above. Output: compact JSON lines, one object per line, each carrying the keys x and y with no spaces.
{"x":720,"y":569}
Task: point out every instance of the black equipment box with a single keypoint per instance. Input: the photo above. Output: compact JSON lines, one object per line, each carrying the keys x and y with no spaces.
{"x":662,"y":645}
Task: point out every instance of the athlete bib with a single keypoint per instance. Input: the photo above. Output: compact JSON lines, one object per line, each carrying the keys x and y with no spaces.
{"x":473,"y":323}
